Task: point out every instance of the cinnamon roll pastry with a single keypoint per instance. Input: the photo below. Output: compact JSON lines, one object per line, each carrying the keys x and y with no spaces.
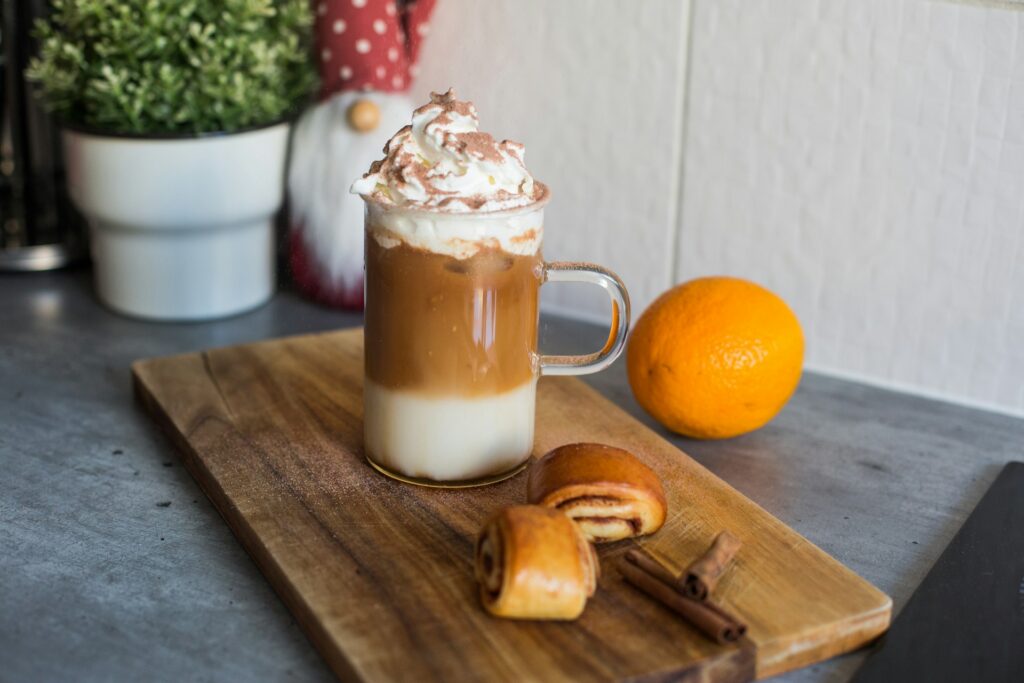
{"x":607,"y":491}
{"x":532,"y":562}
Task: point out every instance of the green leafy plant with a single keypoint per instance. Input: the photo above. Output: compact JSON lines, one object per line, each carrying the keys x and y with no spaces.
{"x":174,"y":66}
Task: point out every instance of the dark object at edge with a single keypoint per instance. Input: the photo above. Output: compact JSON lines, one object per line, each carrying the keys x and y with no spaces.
{"x":965,"y":622}
{"x":39,"y":228}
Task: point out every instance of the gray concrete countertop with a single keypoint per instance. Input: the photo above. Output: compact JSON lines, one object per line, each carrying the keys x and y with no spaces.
{"x":115,"y":567}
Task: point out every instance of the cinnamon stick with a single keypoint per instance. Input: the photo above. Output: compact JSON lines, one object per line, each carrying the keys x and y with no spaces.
{"x":654,"y":568}
{"x":701,"y":577}
{"x":707,"y":617}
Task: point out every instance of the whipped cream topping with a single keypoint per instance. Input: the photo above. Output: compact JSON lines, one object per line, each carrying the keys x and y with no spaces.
{"x":443,"y":163}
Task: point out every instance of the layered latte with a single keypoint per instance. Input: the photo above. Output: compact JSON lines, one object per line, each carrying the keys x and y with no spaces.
{"x":454,"y":225}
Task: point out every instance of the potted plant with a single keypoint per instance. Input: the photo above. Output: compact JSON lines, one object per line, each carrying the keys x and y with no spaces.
{"x":175,"y":118}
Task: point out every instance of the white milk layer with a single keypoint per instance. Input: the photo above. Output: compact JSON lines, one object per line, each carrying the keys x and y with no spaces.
{"x":519,"y":231}
{"x":448,"y":438}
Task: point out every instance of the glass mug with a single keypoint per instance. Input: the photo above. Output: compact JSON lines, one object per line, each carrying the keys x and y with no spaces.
{"x":451,"y":357}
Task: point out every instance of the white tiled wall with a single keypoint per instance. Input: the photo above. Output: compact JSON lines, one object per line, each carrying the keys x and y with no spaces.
{"x":863,"y":158}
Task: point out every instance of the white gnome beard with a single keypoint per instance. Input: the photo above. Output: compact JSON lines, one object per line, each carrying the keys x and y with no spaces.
{"x":326,"y":156}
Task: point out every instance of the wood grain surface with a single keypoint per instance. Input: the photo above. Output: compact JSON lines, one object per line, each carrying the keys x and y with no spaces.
{"x":379,"y":573}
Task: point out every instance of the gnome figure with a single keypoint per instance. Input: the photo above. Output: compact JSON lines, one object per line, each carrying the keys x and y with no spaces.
{"x":367,"y":53}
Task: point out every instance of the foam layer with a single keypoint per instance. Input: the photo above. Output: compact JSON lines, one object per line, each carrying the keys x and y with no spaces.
{"x":518,"y":232}
{"x":448,"y":438}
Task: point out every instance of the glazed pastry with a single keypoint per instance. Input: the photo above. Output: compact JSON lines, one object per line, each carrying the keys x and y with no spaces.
{"x":607,"y":491}
{"x":532,"y":562}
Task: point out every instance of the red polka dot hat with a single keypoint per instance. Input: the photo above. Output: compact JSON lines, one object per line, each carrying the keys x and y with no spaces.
{"x":369,"y":44}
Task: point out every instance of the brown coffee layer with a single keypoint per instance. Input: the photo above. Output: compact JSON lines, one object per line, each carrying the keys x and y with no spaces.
{"x":441,"y":325}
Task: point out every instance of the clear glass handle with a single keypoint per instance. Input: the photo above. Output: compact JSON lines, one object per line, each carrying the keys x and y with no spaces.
{"x":560,"y":271}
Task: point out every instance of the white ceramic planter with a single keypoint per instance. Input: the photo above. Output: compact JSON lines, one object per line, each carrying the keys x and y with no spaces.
{"x":180,"y":228}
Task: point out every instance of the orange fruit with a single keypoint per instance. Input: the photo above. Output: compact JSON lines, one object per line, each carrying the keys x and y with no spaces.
{"x":715,"y":357}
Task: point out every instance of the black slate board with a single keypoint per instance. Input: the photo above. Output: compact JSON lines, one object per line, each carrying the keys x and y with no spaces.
{"x":965,"y":622}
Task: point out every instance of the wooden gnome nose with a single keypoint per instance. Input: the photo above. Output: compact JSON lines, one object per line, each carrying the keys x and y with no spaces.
{"x":363,"y":115}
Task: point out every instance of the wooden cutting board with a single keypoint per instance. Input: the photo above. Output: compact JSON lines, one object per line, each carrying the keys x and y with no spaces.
{"x":379,"y":573}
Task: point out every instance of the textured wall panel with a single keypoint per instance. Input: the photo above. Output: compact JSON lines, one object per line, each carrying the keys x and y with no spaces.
{"x":594,"y":90}
{"x":865,"y":159}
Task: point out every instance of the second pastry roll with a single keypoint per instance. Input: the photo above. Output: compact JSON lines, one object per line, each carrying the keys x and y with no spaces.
{"x":608,"y":491}
{"x":532,"y":562}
